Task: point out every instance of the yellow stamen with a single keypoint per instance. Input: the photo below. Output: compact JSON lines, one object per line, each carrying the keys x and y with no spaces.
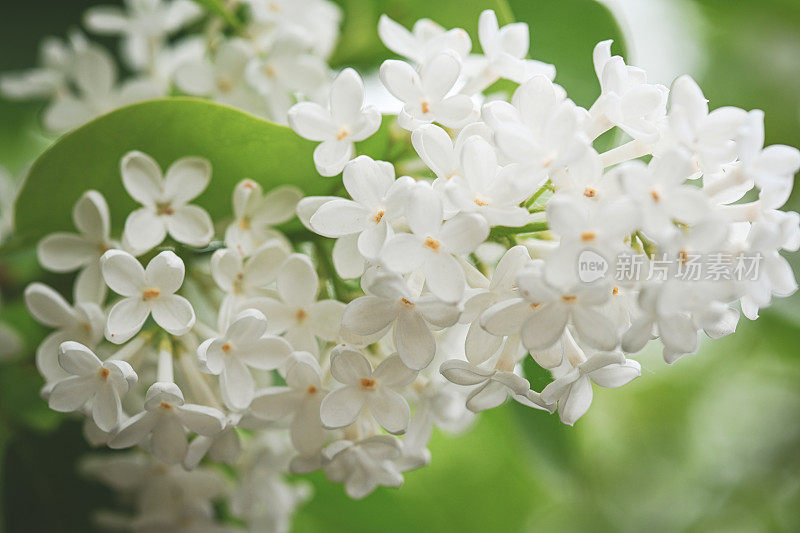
{"x":378,"y":215}
{"x":569,"y":299}
{"x":588,"y":236}
{"x":301,"y":315}
{"x":588,"y":192}
{"x":104,"y":372}
{"x":149,"y":294}
{"x":367,"y":383}
{"x":426,"y":107}
{"x":432,"y":243}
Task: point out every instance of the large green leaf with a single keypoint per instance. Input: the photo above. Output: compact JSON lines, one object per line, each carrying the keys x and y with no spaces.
{"x":238,"y":145}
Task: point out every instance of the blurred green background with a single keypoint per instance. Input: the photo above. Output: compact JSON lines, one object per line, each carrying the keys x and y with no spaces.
{"x":709,"y":444}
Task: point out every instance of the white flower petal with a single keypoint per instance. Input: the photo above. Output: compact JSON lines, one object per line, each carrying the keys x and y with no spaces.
{"x":173,"y":313}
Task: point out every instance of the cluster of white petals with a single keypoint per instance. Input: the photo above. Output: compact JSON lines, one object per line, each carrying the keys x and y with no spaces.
{"x":339,"y":345}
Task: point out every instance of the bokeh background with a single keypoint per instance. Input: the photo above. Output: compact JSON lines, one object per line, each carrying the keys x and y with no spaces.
{"x":709,"y":444}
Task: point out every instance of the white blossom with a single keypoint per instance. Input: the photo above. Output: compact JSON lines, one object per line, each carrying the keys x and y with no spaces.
{"x":145,"y":292}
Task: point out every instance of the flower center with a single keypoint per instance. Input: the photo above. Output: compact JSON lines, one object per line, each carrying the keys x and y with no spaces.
{"x":227,"y":347}
{"x":367,"y":383}
{"x":165,"y":405}
{"x":432,"y":243}
{"x":149,"y":294}
{"x":224,"y":85}
{"x":342,"y":133}
{"x":615,"y":291}
{"x":301,"y":315}
{"x":426,"y":107}
{"x":588,"y":192}
{"x":104,"y":372}
{"x":244,"y":223}
{"x":407,"y":303}
{"x":683,"y":256}
{"x":164,"y":210}
{"x":378,"y":216}
{"x":655,"y":195}
{"x":587,"y":236}
{"x":269,"y":70}
{"x":480,"y":202}
{"x":535,"y":306}
{"x":311,"y":389}
{"x":569,"y":299}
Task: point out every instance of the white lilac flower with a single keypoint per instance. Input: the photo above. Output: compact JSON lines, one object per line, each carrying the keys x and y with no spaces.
{"x":572,"y":388}
{"x":586,"y":226}
{"x":771,"y":168}
{"x":145,"y":292}
{"x":425,"y":93}
{"x":708,"y":136}
{"x":479,"y":344}
{"x":286,"y":70}
{"x":485,"y":188}
{"x":244,"y":345}
{"x":165,"y":201}
{"x":504,"y":52}
{"x":102,"y":383}
{"x":296,"y":313}
{"x":543,"y":313}
{"x":540,"y":128}
{"x":255,"y":214}
{"x":365,"y":465}
{"x":362,"y":224}
{"x":81,"y":323}
{"x":66,"y":252}
{"x":224,"y":447}
{"x":425,"y":40}
{"x":242,"y":279}
{"x":222,"y":77}
{"x":626,"y":100}
{"x":776,"y":276}
{"x":390,"y":303}
{"x":433,"y":244}
{"x":491,"y":387}
{"x":144,"y":25}
{"x":97,"y":91}
{"x":346,"y":120}
{"x":660,"y":192}
{"x":300,"y":399}
{"x":166,"y":419}
{"x":50,"y":78}
{"x":376,"y":390}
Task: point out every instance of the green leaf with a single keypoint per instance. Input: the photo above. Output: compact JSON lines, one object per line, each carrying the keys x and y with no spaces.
{"x":238,"y":145}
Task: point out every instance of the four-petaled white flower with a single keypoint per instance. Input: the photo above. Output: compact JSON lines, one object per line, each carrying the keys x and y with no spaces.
{"x":102,"y":383}
{"x":65,"y":252}
{"x":297,"y":314}
{"x":166,"y":419}
{"x":244,"y":344}
{"x":346,"y":121}
{"x":242,"y":279}
{"x":390,"y":302}
{"x":377,"y":390}
{"x":504,"y":51}
{"x":300,"y":399}
{"x":144,"y":24}
{"x":543,"y":313}
{"x":425,"y":40}
{"x":362,"y":224}
{"x":572,"y":388}
{"x":365,"y":465}
{"x":255,"y":213}
{"x":165,"y":201}
{"x":425,"y":93}
{"x":82,"y":323}
{"x":492,"y":387}
{"x":146,"y":291}
{"x":433,"y":243}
